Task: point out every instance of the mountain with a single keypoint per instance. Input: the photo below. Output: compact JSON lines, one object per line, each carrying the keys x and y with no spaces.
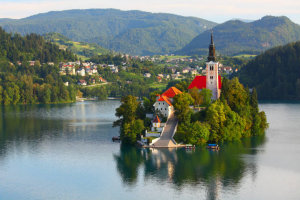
{"x":133,"y":32}
{"x":82,"y":49}
{"x":235,"y":37}
{"x":31,"y":47}
{"x":275,"y":73}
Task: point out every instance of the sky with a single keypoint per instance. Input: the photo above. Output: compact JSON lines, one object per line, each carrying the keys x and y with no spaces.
{"x":213,"y":10}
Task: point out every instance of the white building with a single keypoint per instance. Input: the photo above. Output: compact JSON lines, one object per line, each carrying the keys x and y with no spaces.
{"x":164,"y":102}
{"x":81,"y":72}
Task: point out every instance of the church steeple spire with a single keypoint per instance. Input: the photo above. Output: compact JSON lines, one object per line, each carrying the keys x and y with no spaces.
{"x":212,"y":54}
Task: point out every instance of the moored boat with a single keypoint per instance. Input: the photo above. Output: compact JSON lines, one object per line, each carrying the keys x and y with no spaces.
{"x":213,"y":146}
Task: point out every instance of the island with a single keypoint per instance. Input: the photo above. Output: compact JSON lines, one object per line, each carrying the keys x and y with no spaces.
{"x":212,"y":110}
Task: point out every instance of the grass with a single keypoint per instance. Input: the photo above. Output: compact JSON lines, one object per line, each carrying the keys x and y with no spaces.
{"x":245,"y":56}
{"x":160,"y":86}
{"x":173,"y":57}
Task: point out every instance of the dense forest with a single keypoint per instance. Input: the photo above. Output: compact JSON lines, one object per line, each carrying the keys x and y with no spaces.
{"x":236,"y":37}
{"x":22,"y":82}
{"x":31,"y":47}
{"x":234,"y":116}
{"x":132,"y":32}
{"x":275,"y":74}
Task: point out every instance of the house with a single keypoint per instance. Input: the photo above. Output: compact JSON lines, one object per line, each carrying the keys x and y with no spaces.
{"x":82,"y":82}
{"x":102,"y":80}
{"x":212,"y":80}
{"x":185,"y":70}
{"x":227,"y":70}
{"x":159,"y":79}
{"x":156,"y":124}
{"x":147,"y":75}
{"x":164,"y":102}
{"x":81,"y":72}
{"x":193,"y":71}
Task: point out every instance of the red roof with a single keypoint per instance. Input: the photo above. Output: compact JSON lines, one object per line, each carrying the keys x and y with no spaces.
{"x":164,"y":98}
{"x":156,"y":120}
{"x":200,"y":82}
{"x":171,"y":92}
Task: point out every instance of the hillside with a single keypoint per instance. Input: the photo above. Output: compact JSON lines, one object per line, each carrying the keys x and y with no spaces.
{"x":82,"y":49}
{"x":275,"y":74}
{"x":133,"y":32}
{"x":235,"y":37}
{"x":23,"y":82}
{"x":15,"y":48}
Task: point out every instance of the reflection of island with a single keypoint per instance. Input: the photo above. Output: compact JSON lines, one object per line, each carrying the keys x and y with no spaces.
{"x":214,"y":170}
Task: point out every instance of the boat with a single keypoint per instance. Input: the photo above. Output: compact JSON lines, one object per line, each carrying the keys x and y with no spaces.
{"x":116,"y":138}
{"x":190,"y":146}
{"x":213,"y":146}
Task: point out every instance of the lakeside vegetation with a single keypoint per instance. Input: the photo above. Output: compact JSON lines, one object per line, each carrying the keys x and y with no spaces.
{"x":275,"y":73}
{"x":234,"y":116}
{"x":25,"y":76}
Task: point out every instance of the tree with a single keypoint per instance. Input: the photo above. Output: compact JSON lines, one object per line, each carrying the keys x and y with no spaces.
{"x":206,"y":95}
{"x":198,"y":98}
{"x":130,"y":126}
{"x":182,"y":104}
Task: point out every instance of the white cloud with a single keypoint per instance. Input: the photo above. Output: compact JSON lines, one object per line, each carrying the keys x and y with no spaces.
{"x":215,"y":10}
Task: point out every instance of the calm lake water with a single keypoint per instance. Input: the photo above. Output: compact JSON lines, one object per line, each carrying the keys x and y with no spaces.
{"x":65,"y":152}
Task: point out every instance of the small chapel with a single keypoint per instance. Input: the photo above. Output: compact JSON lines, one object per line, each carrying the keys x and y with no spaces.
{"x":212,"y":80}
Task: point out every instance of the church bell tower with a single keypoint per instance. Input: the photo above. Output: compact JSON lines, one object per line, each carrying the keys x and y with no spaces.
{"x":212,"y":67}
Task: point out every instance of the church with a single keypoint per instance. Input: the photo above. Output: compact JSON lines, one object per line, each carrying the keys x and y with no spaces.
{"x":212,"y":80}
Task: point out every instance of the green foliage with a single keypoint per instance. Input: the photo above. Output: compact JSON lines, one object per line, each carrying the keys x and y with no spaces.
{"x":79,"y":48}
{"x":234,"y":116}
{"x":133,"y":32}
{"x":275,"y":73}
{"x":21,"y":83}
{"x":236,"y":37}
{"x":182,"y":108}
{"x":206,"y":95}
{"x":131,"y":127}
{"x":196,"y":133}
{"x":30,"y":47}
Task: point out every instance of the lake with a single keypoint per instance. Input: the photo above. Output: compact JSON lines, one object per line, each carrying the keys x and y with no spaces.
{"x":66,"y":152}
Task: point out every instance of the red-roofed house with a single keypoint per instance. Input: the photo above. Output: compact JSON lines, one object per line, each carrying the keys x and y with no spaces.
{"x":156,"y":123}
{"x":163,"y":102}
{"x":212,"y":80}
{"x":171,"y":92}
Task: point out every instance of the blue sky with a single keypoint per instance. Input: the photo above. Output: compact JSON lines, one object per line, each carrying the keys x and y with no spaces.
{"x":214,"y":10}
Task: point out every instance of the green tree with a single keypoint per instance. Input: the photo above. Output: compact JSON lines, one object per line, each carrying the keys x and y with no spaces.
{"x":206,"y":95}
{"x":182,"y":108}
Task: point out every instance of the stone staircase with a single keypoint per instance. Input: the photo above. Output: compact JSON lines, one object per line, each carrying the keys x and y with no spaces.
{"x":166,"y":138}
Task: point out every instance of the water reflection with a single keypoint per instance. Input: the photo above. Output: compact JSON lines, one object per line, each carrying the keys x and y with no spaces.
{"x":31,"y":125}
{"x":198,"y":168}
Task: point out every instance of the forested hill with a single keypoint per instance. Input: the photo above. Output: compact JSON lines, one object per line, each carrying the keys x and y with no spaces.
{"x":24,"y":83}
{"x":133,"y":32}
{"x":234,"y":37}
{"x":82,"y":49}
{"x":14,"y":48}
{"x":275,"y":73}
